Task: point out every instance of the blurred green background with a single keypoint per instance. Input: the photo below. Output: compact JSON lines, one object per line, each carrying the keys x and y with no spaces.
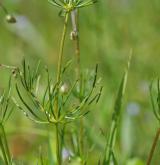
{"x":109,"y":30}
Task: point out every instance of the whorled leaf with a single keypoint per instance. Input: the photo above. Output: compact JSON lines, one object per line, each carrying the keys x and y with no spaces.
{"x":41,"y":107}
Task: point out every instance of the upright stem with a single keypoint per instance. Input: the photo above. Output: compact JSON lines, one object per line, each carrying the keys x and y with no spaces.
{"x":75,"y":28}
{"x":3,"y":8}
{"x":81,"y":137}
{"x":110,"y":143}
{"x":62,"y":48}
{"x":4,"y":145}
{"x":58,"y":141}
{"x":58,"y":146}
{"x":5,"y":142}
{"x":3,"y":151}
{"x":153,"y":147}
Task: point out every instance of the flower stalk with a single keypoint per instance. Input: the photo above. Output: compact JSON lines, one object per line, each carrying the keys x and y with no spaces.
{"x":58,"y":141}
{"x":62,"y":48}
{"x":3,"y":152}
{"x":5,"y":142}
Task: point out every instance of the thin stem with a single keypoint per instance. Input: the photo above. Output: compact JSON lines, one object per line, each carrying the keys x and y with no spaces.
{"x":110,"y":144}
{"x":58,"y":142}
{"x":3,"y":8}
{"x":81,"y":137}
{"x":5,"y":142}
{"x":60,"y":63}
{"x":75,"y":28}
{"x":3,"y":151}
{"x":153,"y":147}
{"x":62,"y":48}
{"x":58,"y":145}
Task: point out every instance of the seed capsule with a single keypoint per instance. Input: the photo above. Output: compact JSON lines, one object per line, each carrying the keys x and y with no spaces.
{"x":64,"y":88}
{"x":10,"y":19}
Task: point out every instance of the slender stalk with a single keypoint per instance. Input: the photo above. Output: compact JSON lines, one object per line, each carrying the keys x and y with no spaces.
{"x":3,"y":151}
{"x":81,"y":137}
{"x":58,"y":142}
{"x":62,"y":48}
{"x":75,"y":28}
{"x":5,"y":142}
{"x":110,"y":143}
{"x":153,"y":147}
{"x":58,"y":146}
{"x":3,"y":8}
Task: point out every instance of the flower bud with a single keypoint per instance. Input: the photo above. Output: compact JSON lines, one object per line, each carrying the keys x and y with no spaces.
{"x":10,"y":19}
{"x":64,"y":88}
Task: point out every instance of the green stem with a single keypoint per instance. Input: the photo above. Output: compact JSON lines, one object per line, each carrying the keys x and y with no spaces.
{"x":62,"y":48}
{"x":81,"y":136}
{"x":58,"y":146}
{"x":58,"y":142}
{"x":3,"y":8}
{"x":5,"y":142}
{"x":3,"y":151}
{"x":110,"y":143}
{"x":153,"y":147}
{"x":60,"y":63}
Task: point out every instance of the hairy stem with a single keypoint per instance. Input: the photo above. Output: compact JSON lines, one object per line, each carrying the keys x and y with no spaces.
{"x":153,"y":147}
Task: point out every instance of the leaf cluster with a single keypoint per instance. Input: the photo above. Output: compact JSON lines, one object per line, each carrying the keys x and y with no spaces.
{"x":6,"y":104}
{"x":70,"y":5}
{"x":42,"y":109}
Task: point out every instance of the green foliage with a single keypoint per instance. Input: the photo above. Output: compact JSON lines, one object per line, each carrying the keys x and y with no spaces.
{"x":6,"y":109}
{"x":109,"y":155}
{"x":69,"y":5}
{"x":41,"y":108}
{"x":6,"y":105}
{"x":103,"y":33}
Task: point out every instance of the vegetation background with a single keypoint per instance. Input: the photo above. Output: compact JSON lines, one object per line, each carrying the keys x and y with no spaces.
{"x":108,"y":32}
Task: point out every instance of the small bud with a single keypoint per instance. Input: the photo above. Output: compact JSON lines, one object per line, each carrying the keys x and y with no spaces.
{"x":10,"y":19}
{"x":64,"y":88}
